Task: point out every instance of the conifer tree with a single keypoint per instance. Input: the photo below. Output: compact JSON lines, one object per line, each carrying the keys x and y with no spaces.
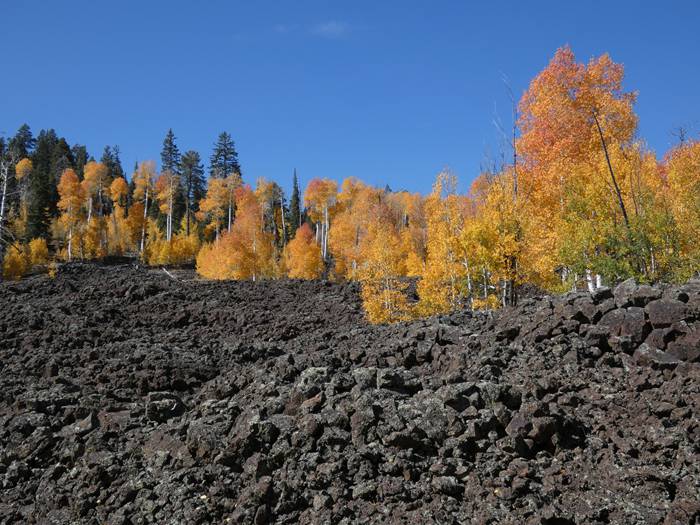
{"x":80,"y":159}
{"x":193,"y":184}
{"x":171,"y":166}
{"x":224,"y":159}
{"x":40,"y":184}
{"x":294,"y":207}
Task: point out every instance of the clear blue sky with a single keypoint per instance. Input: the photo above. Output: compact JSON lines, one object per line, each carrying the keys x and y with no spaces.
{"x":388,"y":91}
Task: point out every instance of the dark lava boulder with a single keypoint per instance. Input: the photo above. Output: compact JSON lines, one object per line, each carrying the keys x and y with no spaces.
{"x":129,"y":397}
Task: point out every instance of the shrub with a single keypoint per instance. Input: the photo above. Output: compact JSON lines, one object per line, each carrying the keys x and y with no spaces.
{"x":16,"y":263}
{"x":38,"y":252}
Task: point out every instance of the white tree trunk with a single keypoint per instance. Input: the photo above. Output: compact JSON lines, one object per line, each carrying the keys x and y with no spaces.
{"x":145,"y":218}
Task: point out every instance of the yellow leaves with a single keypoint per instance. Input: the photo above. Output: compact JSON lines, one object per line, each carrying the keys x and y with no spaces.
{"x":38,"y":252}
{"x":302,"y":256}
{"x":181,"y":249}
{"x":383,"y":289}
{"x":23,"y":169}
{"x":143,"y":180}
{"x":166,"y":186}
{"x":15,"y":263}
{"x":218,"y":205}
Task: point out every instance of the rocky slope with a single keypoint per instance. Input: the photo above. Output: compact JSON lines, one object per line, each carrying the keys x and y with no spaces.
{"x":128,"y":397}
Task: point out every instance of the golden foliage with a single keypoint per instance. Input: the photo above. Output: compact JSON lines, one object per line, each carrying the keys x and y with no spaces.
{"x":383,"y":289}
{"x":23,"y":169}
{"x":246,"y":252}
{"x":16,"y":263}
{"x":38,"y":252}
{"x":302,"y":256}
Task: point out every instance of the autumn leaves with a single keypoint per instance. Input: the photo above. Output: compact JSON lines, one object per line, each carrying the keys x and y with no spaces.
{"x":583,"y":202}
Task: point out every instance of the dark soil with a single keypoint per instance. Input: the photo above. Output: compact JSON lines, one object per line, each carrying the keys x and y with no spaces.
{"x":128,"y":397}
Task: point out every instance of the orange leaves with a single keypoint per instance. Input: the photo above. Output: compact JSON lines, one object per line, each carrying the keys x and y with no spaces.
{"x":119,"y":191}
{"x":23,"y":169}
{"x":320,"y":197}
{"x":246,"y":252}
{"x":303,"y":256}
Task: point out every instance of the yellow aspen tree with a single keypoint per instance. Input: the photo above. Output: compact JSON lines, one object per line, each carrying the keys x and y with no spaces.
{"x":166,"y":188}
{"x":383,"y":290}
{"x":71,"y":198}
{"x":443,"y":286}
{"x":143,"y":194}
{"x":22,"y":171}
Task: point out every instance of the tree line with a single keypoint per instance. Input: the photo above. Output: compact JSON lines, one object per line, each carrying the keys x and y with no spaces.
{"x":578,"y":201}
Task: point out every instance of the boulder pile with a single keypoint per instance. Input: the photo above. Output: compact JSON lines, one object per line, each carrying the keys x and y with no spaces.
{"x":130,"y":397}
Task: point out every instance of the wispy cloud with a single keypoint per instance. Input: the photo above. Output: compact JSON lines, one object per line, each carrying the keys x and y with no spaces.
{"x":284,"y":28}
{"x":330,"y":29}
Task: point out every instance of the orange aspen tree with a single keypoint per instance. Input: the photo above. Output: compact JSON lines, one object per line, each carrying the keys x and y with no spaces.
{"x":143,"y":193}
{"x":572,"y":117}
{"x":118,"y":192}
{"x":71,"y":197}
{"x":320,"y":198}
{"x":246,"y":252}
{"x":303,"y":256}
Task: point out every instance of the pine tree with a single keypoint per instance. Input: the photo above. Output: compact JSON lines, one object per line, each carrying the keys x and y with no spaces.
{"x":41,"y":183}
{"x":110,"y":158}
{"x":171,"y":163}
{"x":294,"y":207}
{"x":224,"y":159}
{"x":80,"y":159}
{"x":193,"y":184}
{"x":170,"y":154}
{"x":23,"y":142}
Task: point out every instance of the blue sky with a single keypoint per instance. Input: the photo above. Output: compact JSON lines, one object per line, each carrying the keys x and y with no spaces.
{"x":388,"y":91}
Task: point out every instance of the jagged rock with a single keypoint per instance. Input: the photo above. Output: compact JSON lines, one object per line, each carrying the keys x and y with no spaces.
{"x":624,"y":293}
{"x":275,"y":402}
{"x":665,"y":312}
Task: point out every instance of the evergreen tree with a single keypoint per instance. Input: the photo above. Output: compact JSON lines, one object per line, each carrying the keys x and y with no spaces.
{"x":171,"y":162}
{"x":23,"y":142}
{"x":110,"y":158}
{"x":294,"y":208}
{"x":170,"y":154}
{"x":39,"y":197}
{"x":224,"y":159}
{"x":193,"y":183}
{"x":80,"y":158}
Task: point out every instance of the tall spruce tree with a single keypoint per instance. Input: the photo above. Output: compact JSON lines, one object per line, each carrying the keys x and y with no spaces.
{"x":171,"y":161}
{"x":23,"y":142}
{"x":80,"y":158}
{"x":170,"y":154}
{"x":294,"y":208}
{"x":110,"y":158}
{"x":193,"y":183}
{"x":224,"y":159}
{"x":40,"y":182}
